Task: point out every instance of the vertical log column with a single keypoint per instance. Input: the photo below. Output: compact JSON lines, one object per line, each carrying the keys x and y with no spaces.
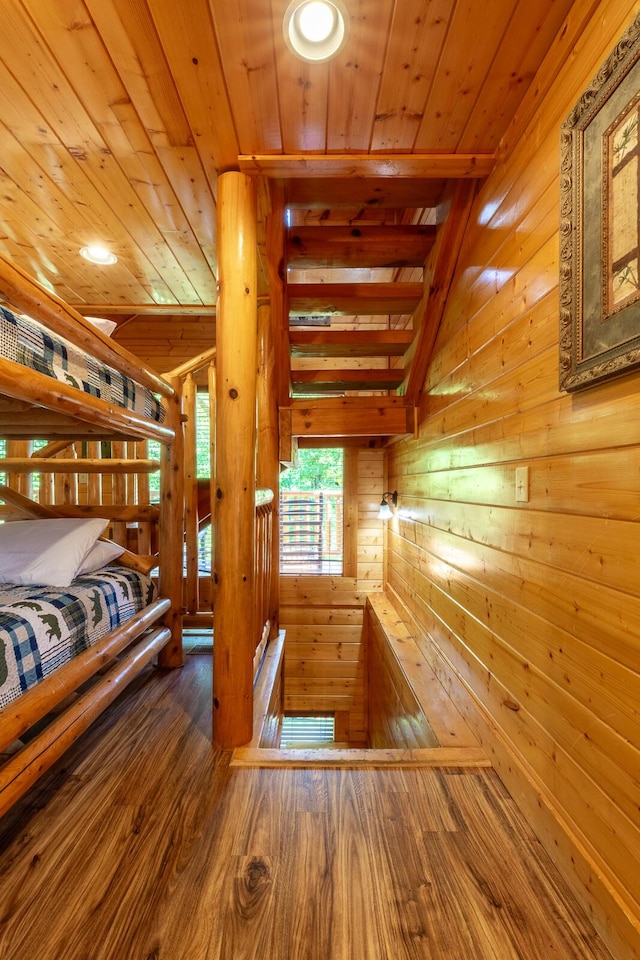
{"x":190,"y":494}
{"x":269,"y":452}
{"x":171,"y":527}
{"x":235,"y":466}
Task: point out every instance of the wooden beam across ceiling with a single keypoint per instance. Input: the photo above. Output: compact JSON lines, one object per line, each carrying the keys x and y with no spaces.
{"x":437,"y":165}
{"x":145,"y":309}
{"x":349,"y":299}
{"x":359,"y":247}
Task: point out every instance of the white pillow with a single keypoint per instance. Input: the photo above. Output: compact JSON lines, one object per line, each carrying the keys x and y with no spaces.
{"x":47,"y":552}
{"x":101,"y":553}
{"x":106,"y":326}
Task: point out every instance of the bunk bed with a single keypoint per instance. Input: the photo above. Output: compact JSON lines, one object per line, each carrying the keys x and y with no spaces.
{"x":68,"y":646}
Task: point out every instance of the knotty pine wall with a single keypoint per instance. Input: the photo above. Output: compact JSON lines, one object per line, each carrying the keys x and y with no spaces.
{"x":325,"y":659}
{"x":165,"y":342}
{"x":532,"y":610}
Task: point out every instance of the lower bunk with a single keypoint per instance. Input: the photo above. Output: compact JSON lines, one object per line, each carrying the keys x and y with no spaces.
{"x":65,"y":655}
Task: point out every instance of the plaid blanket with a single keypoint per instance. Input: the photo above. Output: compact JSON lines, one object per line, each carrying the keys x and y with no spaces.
{"x":42,"y":628}
{"x":27,"y":342}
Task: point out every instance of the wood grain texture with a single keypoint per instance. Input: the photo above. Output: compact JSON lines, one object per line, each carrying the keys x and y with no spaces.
{"x":531,"y":608}
{"x":216,"y":861}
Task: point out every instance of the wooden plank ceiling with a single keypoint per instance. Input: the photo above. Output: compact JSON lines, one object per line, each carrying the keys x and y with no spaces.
{"x":117,"y":117}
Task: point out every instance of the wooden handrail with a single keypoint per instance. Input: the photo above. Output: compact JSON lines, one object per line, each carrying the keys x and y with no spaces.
{"x":49,"y":465}
{"x":263,"y":496}
{"x":194,"y":364}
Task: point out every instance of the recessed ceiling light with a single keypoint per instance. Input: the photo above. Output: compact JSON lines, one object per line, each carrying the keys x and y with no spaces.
{"x":315,"y":30}
{"x":99,"y":255}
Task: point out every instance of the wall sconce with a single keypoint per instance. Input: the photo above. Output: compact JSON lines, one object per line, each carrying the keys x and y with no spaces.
{"x":389,"y":499}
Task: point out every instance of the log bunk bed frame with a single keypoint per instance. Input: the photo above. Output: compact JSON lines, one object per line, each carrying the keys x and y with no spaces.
{"x":33,"y":405}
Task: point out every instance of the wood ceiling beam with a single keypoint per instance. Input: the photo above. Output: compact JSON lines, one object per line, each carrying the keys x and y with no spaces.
{"x":438,"y":165}
{"x":359,"y":247}
{"x":350,"y":343}
{"x":348,"y":299}
{"x":437,"y":282}
{"x":145,"y":309}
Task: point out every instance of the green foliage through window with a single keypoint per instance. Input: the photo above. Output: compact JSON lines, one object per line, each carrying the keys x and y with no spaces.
{"x":319,"y":469}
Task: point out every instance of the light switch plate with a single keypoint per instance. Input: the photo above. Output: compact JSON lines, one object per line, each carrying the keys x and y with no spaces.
{"x":522,"y":484}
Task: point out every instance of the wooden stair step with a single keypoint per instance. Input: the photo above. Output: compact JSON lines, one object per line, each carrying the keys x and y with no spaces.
{"x":318,"y":381}
{"x":365,"y":247}
{"x":347,"y":299}
{"x":350,"y":343}
{"x":349,"y":417}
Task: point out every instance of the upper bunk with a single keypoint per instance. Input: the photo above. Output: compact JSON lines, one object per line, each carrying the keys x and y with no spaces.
{"x":61,"y":376}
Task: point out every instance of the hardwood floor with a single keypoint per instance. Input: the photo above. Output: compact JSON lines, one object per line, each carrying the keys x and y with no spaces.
{"x":146,"y":845}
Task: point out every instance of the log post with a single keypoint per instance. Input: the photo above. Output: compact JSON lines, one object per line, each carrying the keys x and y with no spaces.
{"x":190,"y":494}
{"x":171,"y":528}
{"x":236,"y":336}
{"x":269,"y":453}
{"x":211,"y":381}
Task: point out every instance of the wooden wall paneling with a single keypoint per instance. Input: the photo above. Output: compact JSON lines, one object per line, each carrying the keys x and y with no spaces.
{"x":569,"y":605}
{"x":605,"y":480}
{"x":395,"y":716}
{"x":573,"y":693}
{"x":533,"y":608}
{"x":350,"y":513}
{"x":548,"y":762}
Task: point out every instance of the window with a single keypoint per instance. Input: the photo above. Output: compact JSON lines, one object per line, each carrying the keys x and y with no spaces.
{"x":316,"y":729}
{"x":312,"y":514}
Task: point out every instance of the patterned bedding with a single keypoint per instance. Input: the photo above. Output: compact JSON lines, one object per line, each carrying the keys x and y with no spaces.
{"x":27,"y":342}
{"x":42,"y":628}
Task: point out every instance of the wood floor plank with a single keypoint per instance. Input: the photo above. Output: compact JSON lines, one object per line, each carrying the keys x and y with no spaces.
{"x":145,"y":843}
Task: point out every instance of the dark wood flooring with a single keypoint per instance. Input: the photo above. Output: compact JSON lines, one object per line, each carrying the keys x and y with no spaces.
{"x":144,"y":844}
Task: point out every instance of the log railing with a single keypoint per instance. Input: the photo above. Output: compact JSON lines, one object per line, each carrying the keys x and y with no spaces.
{"x":263,"y":559}
{"x":76,"y":475}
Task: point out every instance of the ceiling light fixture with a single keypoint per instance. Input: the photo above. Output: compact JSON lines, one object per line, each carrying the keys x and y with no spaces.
{"x":99,"y":255}
{"x":315,"y":30}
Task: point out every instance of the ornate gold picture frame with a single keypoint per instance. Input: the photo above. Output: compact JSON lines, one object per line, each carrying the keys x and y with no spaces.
{"x":600,"y":223}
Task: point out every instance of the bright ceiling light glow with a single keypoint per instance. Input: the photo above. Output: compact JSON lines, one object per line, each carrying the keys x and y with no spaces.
{"x":317,"y":20}
{"x":315,"y":30}
{"x":100,"y":255}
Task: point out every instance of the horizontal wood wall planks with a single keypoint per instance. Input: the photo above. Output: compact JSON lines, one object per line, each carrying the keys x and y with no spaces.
{"x":532,"y":607}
